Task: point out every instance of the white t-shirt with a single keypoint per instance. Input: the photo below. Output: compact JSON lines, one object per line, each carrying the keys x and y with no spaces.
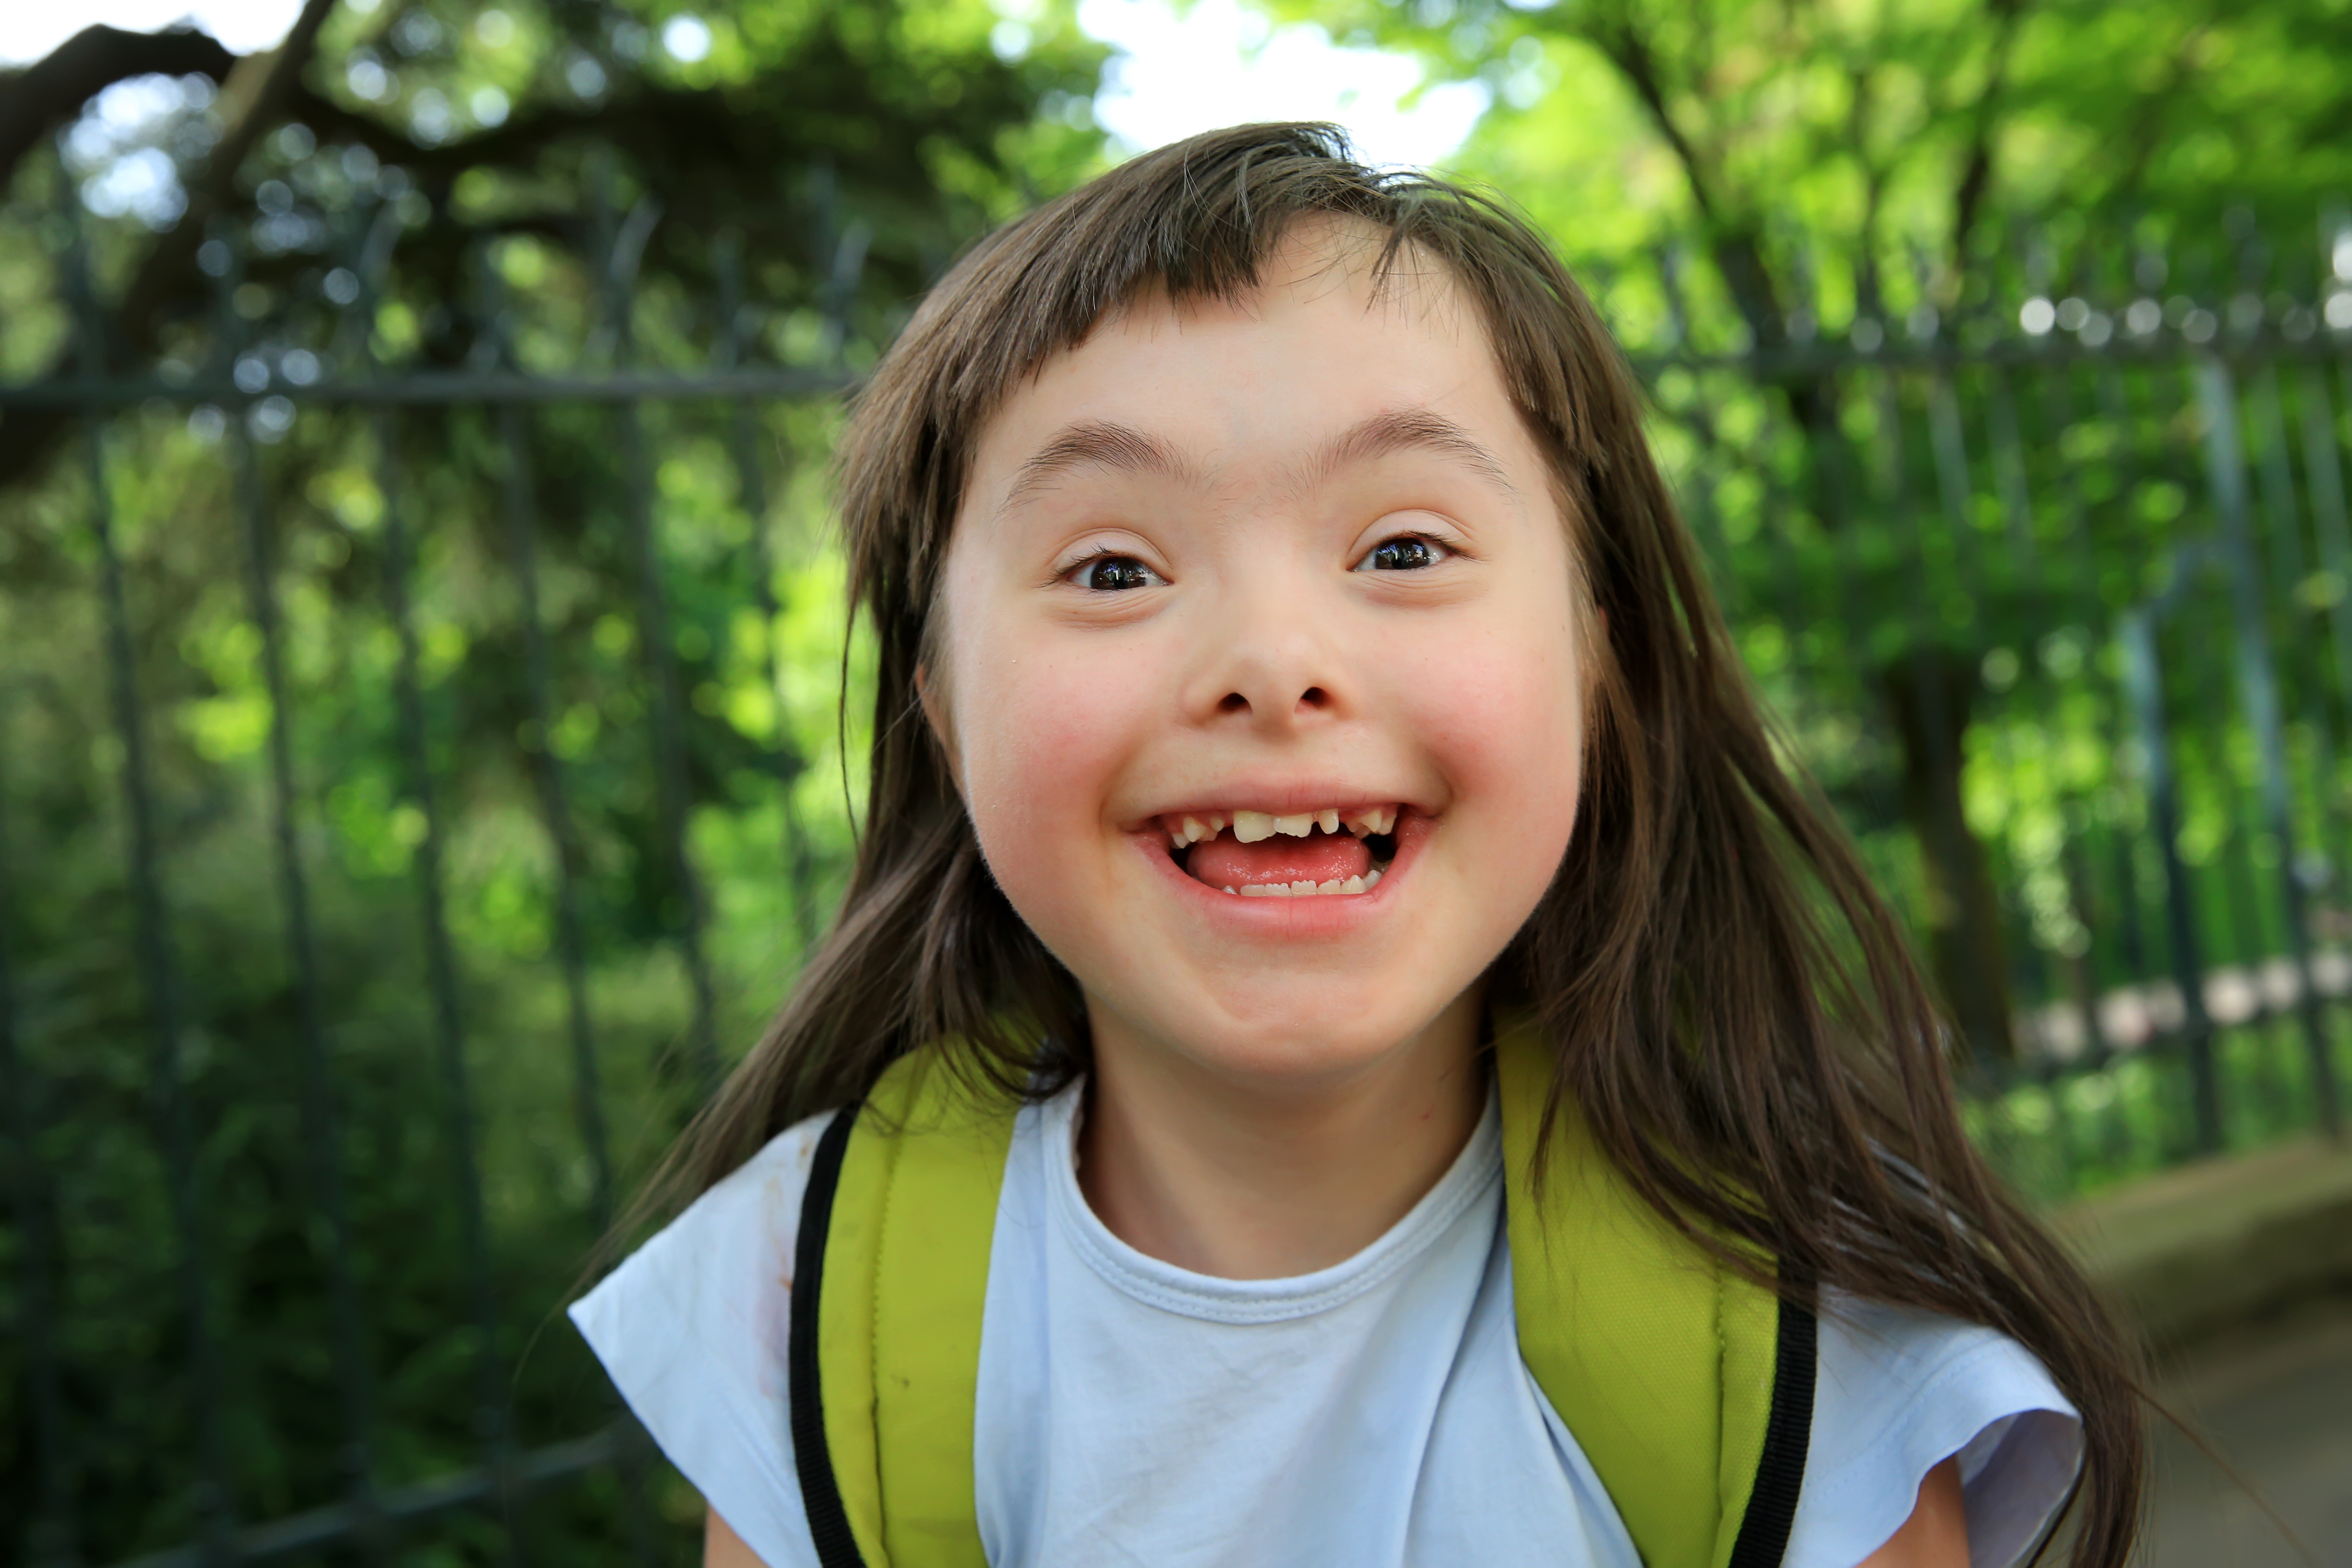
{"x":1375,"y":1414}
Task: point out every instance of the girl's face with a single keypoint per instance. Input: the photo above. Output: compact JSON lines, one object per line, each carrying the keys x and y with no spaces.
{"x":1262,"y":669}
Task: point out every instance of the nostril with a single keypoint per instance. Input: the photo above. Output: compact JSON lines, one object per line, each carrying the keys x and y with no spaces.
{"x":1232,"y":702}
{"x":1314,"y":697}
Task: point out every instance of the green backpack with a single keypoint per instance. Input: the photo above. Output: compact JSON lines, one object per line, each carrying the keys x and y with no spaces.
{"x":1689,"y":1387}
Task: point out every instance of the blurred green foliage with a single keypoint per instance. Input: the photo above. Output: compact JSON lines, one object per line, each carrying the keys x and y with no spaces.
{"x":1745,"y":175}
{"x":2086,"y":1133}
{"x":820,"y":162}
{"x":1733,"y":175}
{"x":1805,"y":147}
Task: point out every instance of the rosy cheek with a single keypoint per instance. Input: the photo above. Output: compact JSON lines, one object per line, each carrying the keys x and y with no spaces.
{"x":1505,"y":723}
{"x":1039,"y":747}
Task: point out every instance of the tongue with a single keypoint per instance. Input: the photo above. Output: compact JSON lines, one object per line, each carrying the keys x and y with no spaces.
{"x":1225,"y":862}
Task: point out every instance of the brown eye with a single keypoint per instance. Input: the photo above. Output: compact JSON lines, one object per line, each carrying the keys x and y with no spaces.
{"x":1115,"y":574}
{"x":1405,"y":552}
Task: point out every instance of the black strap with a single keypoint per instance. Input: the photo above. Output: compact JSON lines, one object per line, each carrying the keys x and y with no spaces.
{"x":1788,"y":1434}
{"x":828,"y":1521}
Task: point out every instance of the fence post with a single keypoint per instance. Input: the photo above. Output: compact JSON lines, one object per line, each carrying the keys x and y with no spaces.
{"x":2143,"y":683}
{"x":2075,"y":549}
{"x":617,"y":255}
{"x":2324,"y":476}
{"x":213,"y":1499}
{"x":49,"y":1532}
{"x":751,"y":495}
{"x":318,"y":1108}
{"x":400,"y":557}
{"x":2258,"y":683}
{"x":515,"y":428}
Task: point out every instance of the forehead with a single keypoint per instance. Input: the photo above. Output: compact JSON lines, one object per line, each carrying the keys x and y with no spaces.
{"x":1326,"y":339}
{"x":1322,"y":267}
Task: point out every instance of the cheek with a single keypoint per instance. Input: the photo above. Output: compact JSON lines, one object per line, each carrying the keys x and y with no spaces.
{"x":1508,"y":713}
{"x":1505,"y":721}
{"x":1039,"y":736}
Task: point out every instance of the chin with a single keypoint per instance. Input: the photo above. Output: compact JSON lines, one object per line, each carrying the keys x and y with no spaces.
{"x":1290,"y":1035}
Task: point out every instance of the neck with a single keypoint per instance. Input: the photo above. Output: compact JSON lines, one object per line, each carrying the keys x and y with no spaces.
{"x":1225,"y":1175}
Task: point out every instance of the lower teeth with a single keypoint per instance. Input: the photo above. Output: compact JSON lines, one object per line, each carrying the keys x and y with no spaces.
{"x":1364,"y":884}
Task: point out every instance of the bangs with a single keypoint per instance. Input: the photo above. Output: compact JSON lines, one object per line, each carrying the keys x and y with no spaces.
{"x":1201,"y":220}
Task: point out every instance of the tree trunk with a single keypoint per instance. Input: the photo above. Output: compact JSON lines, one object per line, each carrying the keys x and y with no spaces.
{"x":1928,"y":695}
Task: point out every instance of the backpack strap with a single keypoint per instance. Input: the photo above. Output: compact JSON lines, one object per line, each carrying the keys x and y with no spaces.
{"x":1689,"y":1387}
{"x":885,"y":1380}
{"x":821,"y":1498}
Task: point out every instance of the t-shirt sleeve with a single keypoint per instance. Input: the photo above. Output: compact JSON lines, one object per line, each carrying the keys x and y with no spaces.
{"x":1898,"y":1392}
{"x":692,"y":1330}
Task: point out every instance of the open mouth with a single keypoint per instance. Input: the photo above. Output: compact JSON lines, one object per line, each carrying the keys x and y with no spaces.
{"x":1334,"y":851}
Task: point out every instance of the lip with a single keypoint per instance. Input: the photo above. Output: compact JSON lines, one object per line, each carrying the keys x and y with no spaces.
{"x":1326,"y":915}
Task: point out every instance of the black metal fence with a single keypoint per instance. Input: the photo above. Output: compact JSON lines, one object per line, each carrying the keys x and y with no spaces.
{"x":327,"y":780}
{"x":2053,"y":597}
{"x":415,"y":779}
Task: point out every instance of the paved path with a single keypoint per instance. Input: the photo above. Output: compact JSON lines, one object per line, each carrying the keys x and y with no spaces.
{"x":2280,"y":1409}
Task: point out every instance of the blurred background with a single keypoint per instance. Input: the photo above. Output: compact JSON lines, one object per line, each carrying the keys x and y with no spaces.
{"x":423,"y":675}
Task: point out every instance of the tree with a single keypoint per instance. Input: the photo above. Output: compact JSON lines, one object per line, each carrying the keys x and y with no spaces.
{"x":916,"y":131}
{"x":412,"y":189}
{"x":1842,"y":164}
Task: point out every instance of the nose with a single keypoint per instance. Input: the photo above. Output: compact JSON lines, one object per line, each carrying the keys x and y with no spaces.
{"x":1275,"y":660}
{"x":1314,"y":700}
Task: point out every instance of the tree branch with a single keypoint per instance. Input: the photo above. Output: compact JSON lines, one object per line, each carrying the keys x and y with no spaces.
{"x":51,"y":92}
{"x":1631,"y":53}
{"x":649,"y":110}
{"x":1976,"y":169}
{"x":683,"y":128}
{"x":2154,"y":114}
{"x":253,"y":100}
{"x":1738,"y":256}
{"x":1864,"y":80}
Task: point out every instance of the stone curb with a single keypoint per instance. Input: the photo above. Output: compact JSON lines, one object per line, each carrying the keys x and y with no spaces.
{"x":2205,"y":1249}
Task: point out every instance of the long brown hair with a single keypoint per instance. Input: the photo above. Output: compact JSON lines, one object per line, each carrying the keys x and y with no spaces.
{"x":1731,"y":1006}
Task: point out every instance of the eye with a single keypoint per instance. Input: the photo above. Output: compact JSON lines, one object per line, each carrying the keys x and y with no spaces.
{"x":1114,"y":575}
{"x":1405,"y":552}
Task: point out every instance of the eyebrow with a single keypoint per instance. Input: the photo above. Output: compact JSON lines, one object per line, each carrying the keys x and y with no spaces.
{"x":1099,"y":443}
{"x":1405,"y":430}
{"x":1106,"y":443}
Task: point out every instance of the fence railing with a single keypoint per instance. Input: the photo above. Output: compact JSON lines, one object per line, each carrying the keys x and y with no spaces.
{"x":316,"y":776}
{"x":416,"y":773}
{"x":2053,"y":593}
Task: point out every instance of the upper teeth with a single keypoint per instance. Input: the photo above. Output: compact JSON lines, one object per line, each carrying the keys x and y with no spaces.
{"x":1251,"y":826}
{"x":1192,"y":829}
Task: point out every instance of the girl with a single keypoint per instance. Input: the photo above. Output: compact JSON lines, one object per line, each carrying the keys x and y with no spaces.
{"x":1344,"y":1043}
